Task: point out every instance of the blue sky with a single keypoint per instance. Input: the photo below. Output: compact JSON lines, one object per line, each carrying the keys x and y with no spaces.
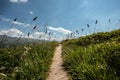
{"x":61,"y":16}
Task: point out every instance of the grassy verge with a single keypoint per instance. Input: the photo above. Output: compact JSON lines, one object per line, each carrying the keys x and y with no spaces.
{"x":28,"y":62}
{"x":97,"y":60}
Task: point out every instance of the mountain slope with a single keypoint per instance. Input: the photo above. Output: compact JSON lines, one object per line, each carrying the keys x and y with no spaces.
{"x":93,"y":57}
{"x":7,"y":41}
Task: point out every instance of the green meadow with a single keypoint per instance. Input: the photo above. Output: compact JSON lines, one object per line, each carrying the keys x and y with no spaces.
{"x":26,"y":62}
{"x":93,"y":57}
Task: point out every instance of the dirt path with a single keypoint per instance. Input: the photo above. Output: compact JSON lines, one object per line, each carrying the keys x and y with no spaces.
{"x":56,"y":70}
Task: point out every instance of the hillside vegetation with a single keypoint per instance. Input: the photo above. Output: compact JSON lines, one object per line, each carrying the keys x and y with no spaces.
{"x":23,"y":57}
{"x":93,"y":57}
{"x":26,"y":62}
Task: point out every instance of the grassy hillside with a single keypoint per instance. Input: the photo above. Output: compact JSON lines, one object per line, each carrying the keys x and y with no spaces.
{"x":28,"y":62}
{"x":93,"y":57}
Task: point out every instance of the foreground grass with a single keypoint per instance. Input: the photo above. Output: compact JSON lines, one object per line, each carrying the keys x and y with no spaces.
{"x":97,"y":60}
{"x":28,"y":62}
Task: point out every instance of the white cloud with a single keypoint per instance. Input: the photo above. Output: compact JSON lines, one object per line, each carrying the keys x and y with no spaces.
{"x":43,"y":36}
{"x":16,"y":22}
{"x":23,"y":1}
{"x":4,"y":19}
{"x":14,"y":1}
{"x":22,"y":24}
{"x":11,"y":32}
{"x":38,"y":33}
{"x":18,"y":1}
{"x":30,"y":36}
{"x":31,"y":12}
{"x":60,"y":29}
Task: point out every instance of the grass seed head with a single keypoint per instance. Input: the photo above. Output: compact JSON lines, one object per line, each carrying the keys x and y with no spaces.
{"x":35,"y":27}
{"x":46,"y":30}
{"x":77,"y":31}
{"x":45,"y":25}
{"x":15,"y":19}
{"x":96,"y":21}
{"x":88,"y":25}
{"x":109,"y":20}
{"x":82,"y":29}
{"x":35,"y":18}
{"x":28,"y":34}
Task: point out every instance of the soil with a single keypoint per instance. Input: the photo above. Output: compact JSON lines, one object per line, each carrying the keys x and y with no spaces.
{"x":57,"y":71}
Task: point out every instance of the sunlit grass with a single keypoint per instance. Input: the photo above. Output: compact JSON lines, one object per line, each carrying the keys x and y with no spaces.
{"x":92,"y":58}
{"x":28,"y":62}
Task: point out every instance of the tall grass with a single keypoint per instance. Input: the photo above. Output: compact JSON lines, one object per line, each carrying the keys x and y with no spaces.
{"x":92,"y":58}
{"x":26,"y":60}
{"x":29,"y":62}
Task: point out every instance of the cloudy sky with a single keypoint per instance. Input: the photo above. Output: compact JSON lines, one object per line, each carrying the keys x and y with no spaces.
{"x":61,"y":16}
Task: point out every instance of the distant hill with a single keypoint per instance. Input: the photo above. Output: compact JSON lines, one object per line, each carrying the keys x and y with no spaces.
{"x":7,"y":41}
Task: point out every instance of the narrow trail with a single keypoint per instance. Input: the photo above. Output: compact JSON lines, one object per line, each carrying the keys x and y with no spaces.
{"x":56,"y":71}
